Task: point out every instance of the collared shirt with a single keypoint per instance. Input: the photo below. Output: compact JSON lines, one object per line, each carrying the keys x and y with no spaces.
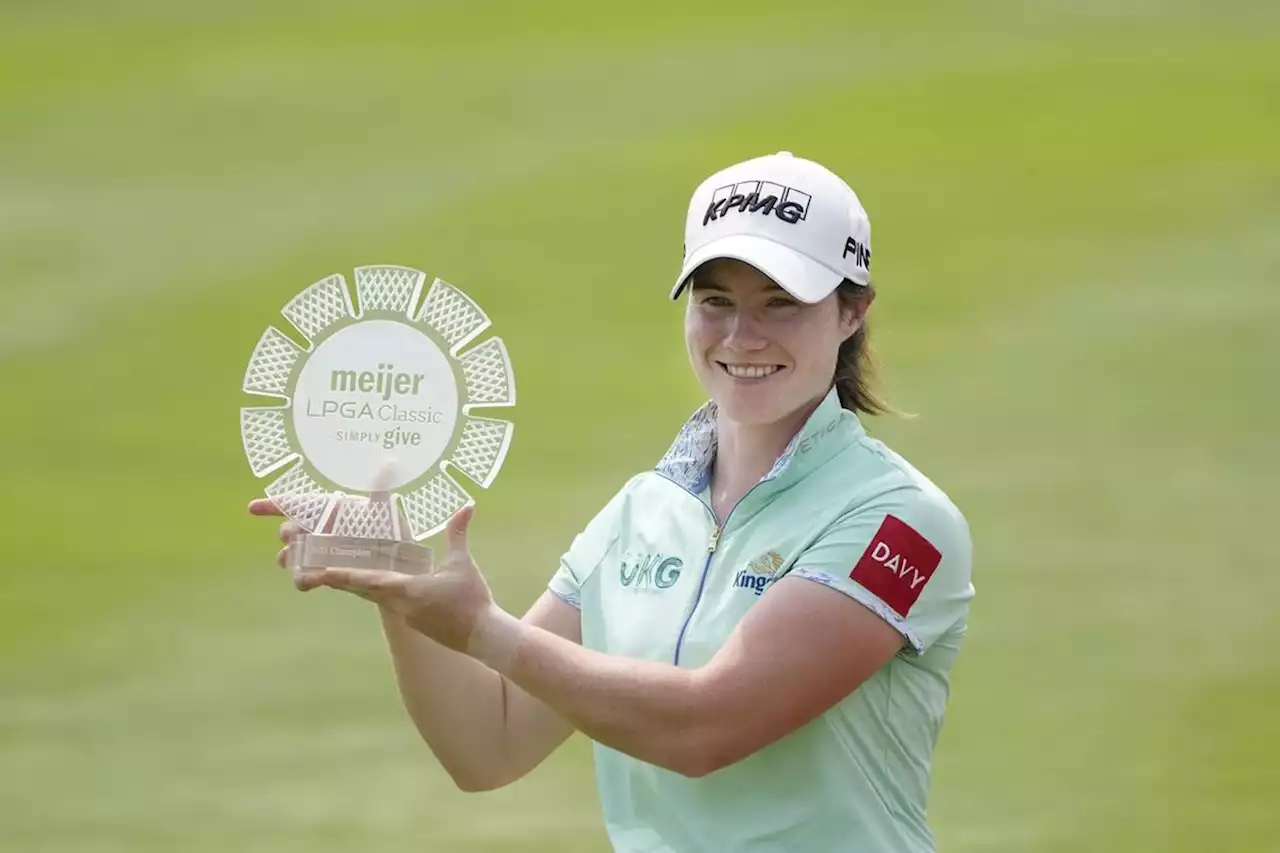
{"x":658,"y":577}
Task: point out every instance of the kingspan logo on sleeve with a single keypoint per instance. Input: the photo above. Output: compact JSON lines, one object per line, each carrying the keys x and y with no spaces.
{"x":759,"y":197}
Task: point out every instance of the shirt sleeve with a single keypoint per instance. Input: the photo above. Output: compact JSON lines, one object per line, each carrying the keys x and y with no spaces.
{"x":588,"y":550}
{"x":907,"y":559}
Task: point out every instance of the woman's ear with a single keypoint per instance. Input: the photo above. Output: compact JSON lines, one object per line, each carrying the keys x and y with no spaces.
{"x":853,"y":311}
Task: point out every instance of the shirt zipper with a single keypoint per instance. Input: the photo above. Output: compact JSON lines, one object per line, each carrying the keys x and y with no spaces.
{"x":712,"y":544}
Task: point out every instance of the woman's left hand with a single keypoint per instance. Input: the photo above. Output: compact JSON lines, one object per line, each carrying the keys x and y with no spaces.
{"x":446,"y":605}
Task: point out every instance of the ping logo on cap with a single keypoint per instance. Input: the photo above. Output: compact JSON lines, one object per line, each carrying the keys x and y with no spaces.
{"x":787,"y":203}
{"x":861,"y":254}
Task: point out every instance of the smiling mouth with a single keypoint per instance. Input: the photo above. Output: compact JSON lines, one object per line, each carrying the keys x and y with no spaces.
{"x":749,"y":371}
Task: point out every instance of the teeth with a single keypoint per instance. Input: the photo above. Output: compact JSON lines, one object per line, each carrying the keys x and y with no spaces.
{"x":750,"y":371}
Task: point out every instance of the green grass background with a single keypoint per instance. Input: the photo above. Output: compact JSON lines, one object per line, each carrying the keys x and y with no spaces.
{"x":1075,"y":208}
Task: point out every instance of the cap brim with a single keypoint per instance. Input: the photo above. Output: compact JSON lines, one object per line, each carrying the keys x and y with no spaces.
{"x":798,"y":274}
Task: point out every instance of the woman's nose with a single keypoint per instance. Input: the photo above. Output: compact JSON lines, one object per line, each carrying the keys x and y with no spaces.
{"x":746,"y":332}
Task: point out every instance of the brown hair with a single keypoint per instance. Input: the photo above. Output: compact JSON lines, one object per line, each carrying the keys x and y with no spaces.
{"x":856,"y":370}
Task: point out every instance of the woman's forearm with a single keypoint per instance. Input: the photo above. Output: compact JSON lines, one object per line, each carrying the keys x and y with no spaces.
{"x":654,"y":712}
{"x":484,"y":729}
{"x":455,"y":703}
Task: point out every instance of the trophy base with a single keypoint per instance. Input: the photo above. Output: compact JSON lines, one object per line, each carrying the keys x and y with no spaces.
{"x":320,"y":551}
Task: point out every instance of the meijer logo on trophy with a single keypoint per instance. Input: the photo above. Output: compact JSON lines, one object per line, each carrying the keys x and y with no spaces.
{"x":350,"y":392}
{"x":385,"y":383}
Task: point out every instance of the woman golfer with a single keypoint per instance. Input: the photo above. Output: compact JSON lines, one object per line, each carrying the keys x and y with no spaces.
{"x":758,"y":634}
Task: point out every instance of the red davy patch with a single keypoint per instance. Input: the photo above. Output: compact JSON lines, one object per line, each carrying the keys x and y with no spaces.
{"x":896,"y":565}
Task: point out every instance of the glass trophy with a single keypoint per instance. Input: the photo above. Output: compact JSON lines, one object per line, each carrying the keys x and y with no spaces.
{"x":372,"y":416}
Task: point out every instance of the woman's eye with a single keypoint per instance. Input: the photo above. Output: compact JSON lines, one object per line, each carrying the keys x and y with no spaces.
{"x":781,"y":302}
{"x":716,"y":302}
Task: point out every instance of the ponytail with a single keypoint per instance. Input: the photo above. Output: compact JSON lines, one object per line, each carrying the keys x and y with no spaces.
{"x":855,"y":378}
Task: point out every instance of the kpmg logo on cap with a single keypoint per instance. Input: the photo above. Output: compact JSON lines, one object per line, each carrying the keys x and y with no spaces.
{"x":786,"y":203}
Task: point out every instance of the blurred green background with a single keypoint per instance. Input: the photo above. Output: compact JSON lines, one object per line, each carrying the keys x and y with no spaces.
{"x":1075,"y":209}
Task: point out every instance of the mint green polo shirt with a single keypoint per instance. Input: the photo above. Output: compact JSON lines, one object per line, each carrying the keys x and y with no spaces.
{"x":658,"y":577}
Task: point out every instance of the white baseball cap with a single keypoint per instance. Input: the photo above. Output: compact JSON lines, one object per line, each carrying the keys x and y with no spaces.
{"x":792,"y":219}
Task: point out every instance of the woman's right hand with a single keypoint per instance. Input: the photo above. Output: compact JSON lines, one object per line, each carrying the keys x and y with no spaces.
{"x":289,"y":529}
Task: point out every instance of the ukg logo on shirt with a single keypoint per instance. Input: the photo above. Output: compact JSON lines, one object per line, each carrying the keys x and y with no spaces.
{"x":650,"y":571}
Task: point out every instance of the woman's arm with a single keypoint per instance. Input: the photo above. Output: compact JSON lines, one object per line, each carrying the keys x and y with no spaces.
{"x":797,"y":653}
{"x":485,"y":731}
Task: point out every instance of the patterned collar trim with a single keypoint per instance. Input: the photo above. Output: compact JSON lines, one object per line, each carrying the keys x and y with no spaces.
{"x":688,"y":460}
